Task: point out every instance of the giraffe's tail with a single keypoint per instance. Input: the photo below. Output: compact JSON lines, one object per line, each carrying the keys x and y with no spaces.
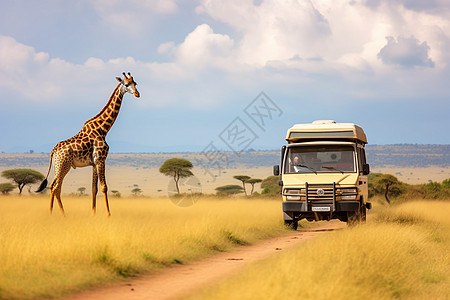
{"x":45,"y":182}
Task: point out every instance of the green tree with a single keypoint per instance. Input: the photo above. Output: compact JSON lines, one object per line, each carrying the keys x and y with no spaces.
{"x":116,"y":193}
{"x":22,"y":177}
{"x":81,"y":190}
{"x":270,"y":186}
{"x":177,"y":168}
{"x":390,"y":184}
{"x":253,"y":181}
{"x":5,"y":188}
{"x":230,"y":189}
{"x":136,"y":191}
{"x":243,"y":179}
{"x":446,"y":183}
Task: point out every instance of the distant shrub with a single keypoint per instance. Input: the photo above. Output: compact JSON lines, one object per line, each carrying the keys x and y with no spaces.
{"x":401,"y":191}
{"x":446,"y":183}
{"x":5,"y":188}
{"x":231,"y":189}
{"x":270,"y":186}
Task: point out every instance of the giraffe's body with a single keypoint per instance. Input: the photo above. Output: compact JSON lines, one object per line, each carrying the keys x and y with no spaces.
{"x":88,"y":147}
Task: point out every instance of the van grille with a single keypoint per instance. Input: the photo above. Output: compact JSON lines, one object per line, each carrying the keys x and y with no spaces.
{"x":321,"y":193}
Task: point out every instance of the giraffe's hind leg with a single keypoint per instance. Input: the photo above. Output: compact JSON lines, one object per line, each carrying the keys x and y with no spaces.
{"x":62,"y":167}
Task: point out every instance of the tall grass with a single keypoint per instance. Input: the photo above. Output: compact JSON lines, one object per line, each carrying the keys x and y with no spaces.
{"x":50,"y":256}
{"x":404,"y":253}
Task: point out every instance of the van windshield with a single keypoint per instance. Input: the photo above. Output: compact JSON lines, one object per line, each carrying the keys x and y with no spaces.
{"x":320,"y":159}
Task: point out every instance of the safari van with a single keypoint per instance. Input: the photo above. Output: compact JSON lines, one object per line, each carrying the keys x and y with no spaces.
{"x":323,"y":173}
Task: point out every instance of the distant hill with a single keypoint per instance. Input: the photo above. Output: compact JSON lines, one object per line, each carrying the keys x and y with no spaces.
{"x":403,"y":155}
{"x":406,"y":155}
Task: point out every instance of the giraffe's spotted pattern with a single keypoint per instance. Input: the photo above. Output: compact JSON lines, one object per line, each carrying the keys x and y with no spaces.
{"x":88,"y":147}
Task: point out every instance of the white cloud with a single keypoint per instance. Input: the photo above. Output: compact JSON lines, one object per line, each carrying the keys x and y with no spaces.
{"x":286,"y":44}
{"x":166,"y":47}
{"x":406,"y":52}
{"x":202,"y":47}
{"x":349,"y":33}
{"x":272,"y":30}
{"x":35,"y":76}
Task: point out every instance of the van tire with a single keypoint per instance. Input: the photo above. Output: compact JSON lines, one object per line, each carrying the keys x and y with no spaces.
{"x":291,"y":224}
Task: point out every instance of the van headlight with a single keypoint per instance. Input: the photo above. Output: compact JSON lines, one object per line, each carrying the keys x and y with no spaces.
{"x":349,"y":194}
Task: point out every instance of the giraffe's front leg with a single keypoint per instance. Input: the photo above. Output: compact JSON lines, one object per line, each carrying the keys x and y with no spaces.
{"x":101,"y":175}
{"x":94,"y":187}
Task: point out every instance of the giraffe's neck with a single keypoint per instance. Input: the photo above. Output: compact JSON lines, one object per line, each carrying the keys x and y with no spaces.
{"x":104,"y":120}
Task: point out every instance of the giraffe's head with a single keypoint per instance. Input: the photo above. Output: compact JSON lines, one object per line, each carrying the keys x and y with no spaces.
{"x":129,"y":84}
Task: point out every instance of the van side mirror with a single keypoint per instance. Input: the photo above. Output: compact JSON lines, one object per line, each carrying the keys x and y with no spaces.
{"x":365,"y":169}
{"x":276,"y":170}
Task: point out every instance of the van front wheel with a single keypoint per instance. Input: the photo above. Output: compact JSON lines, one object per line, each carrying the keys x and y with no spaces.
{"x":291,"y":224}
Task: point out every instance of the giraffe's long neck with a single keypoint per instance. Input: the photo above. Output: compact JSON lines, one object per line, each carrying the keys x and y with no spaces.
{"x":104,"y":120}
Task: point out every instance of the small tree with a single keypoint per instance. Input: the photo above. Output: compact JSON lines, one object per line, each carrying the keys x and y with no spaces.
{"x":230,"y":189}
{"x":136,"y":191}
{"x":177,"y":168}
{"x":5,"y":188}
{"x":116,"y":193}
{"x":386,"y":182}
{"x":244,"y":179}
{"x":253,"y":181}
{"x":22,"y":177}
{"x":81,"y":190}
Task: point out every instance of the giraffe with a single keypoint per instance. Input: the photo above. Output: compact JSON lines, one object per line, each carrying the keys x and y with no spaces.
{"x":88,"y":147}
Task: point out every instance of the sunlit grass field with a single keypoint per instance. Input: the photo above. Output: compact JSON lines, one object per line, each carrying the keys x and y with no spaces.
{"x":45,"y":255}
{"x":402,"y":253}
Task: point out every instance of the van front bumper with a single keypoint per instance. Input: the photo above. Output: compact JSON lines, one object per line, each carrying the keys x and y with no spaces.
{"x":291,"y":208}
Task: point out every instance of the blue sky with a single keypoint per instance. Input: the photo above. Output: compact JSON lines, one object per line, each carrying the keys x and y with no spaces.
{"x":201,"y":67}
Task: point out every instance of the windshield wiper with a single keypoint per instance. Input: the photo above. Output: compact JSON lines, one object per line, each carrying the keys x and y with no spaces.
{"x":333,"y":168}
{"x":307,"y":167}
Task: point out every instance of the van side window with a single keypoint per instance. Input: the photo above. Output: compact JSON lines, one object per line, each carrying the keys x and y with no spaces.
{"x":361,"y":158}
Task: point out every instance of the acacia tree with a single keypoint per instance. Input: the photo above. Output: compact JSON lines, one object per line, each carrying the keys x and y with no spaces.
{"x":136,"y":191}
{"x":230,"y":189}
{"x":22,"y":177}
{"x":253,"y":181}
{"x":81,"y":190}
{"x":177,"y":168}
{"x":386,"y":182}
{"x":244,"y":179}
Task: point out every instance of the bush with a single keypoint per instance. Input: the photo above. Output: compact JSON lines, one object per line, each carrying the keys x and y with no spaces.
{"x":5,"y":188}
{"x":231,"y":189}
{"x":403,"y":191}
{"x":270,"y":186}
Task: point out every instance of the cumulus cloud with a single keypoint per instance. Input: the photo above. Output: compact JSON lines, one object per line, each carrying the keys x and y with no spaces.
{"x":256,"y":44}
{"x":272,"y":30}
{"x":406,"y":52}
{"x":36,"y":76}
{"x":204,"y":47}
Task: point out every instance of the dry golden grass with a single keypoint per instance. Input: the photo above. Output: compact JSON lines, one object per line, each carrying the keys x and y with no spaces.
{"x":49,"y":256}
{"x":403,"y":254}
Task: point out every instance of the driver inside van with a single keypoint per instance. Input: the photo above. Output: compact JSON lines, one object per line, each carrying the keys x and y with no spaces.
{"x":305,"y":163}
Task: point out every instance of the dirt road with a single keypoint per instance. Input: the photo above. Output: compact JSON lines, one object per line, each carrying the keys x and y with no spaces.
{"x":180,"y":280}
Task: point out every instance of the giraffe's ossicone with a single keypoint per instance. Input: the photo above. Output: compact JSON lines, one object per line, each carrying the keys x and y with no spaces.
{"x":88,"y":147}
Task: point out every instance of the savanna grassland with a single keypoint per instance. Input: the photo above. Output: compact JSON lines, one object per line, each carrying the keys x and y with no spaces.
{"x":45,"y":256}
{"x":402,"y":253}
